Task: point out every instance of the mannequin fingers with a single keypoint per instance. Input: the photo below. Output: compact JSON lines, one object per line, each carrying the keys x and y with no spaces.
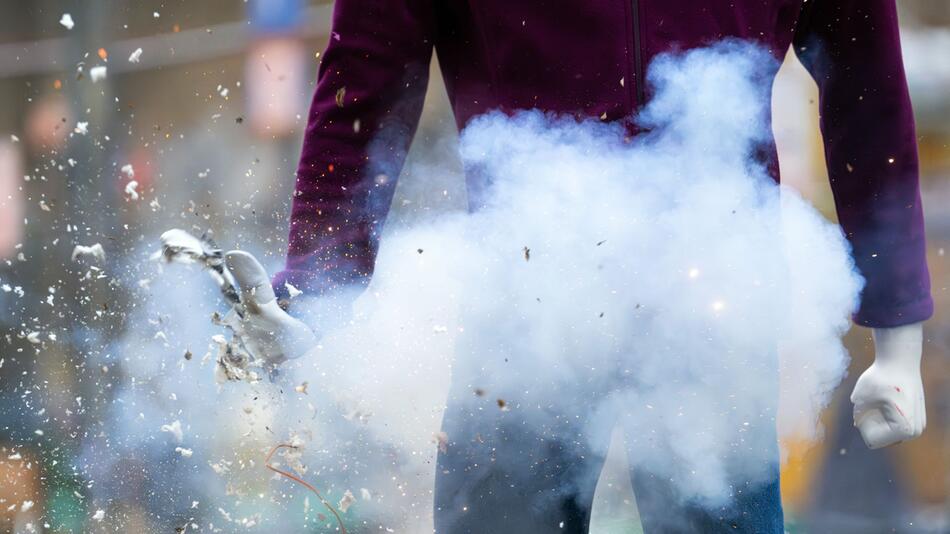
{"x":250,"y":277}
{"x":883,"y":425}
{"x":875,"y":431}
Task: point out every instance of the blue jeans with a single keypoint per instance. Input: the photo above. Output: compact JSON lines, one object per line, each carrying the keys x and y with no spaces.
{"x":497,"y":475}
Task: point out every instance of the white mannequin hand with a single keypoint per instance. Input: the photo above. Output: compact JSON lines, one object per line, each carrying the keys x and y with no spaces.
{"x":268,"y":332}
{"x":889,"y":396}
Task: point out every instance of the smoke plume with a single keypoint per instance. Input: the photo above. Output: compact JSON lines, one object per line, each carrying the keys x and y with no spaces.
{"x":659,"y":282}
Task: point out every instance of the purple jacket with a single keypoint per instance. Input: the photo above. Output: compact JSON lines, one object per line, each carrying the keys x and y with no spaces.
{"x":568,"y":56}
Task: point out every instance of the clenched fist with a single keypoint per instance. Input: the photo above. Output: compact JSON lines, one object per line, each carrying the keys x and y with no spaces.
{"x":889,"y":396}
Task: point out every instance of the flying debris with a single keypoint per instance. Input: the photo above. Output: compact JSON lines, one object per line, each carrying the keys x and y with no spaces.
{"x":136,"y":56}
{"x":174,"y":428}
{"x":67,"y":21}
{"x":346,"y":501}
{"x":96,"y":251}
{"x":181,"y":247}
{"x":234,"y":362}
{"x":97,"y":73}
{"x":442,"y":440}
{"x":130,"y":189}
{"x":292,"y":291}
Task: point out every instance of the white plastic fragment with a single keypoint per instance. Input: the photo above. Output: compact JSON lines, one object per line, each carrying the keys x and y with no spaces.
{"x":174,"y":428}
{"x":292,"y":291}
{"x":99,"y":515}
{"x":136,"y":56}
{"x":130,"y":190}
{"x":96,"y":251}
{"x":346,"y":501}
{"x":97,"y":73}
{"x":67,"y":21}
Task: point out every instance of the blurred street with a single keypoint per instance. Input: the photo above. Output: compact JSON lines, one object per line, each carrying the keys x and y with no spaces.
{"x":196,"y":122}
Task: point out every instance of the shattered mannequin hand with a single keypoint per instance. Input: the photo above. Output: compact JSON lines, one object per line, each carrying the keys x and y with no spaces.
{"x":889,"y":396}
{"x":268,"y":332}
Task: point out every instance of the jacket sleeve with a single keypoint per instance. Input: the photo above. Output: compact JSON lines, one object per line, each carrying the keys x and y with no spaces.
{"x":852,"y":49}
{"x":369,"y":96}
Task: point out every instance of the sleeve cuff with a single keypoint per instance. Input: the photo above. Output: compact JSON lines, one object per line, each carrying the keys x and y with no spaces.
{"x":314,"y":284}
{"x":894,"y":316}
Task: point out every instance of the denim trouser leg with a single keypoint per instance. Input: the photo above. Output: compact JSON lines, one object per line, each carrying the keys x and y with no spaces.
{"x":497,"y":475}
{"x":755,"y":510}
{"x":531,"y":464}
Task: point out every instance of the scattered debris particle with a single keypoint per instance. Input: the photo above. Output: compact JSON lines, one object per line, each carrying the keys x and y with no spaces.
{"x":292,"y":291}
{"x":95,"y":251}
{"x":99,"y":515}
{"x":442,"y":440}
{"x":527,"y":253}
{"x":346,"y":501}
{"x":340,"y":96}
{"x":302,"y":388}
{"x":97,"y":73}
{"x":174,"y":428}
{"x":136,"y":56}
{"x":130,"y":190}
{"x":67,"y":21}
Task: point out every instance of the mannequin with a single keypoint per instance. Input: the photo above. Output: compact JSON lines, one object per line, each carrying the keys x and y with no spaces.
{"x":888,"y":397}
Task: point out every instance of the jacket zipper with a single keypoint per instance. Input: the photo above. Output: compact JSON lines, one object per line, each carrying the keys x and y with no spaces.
{"x":637,"y":56}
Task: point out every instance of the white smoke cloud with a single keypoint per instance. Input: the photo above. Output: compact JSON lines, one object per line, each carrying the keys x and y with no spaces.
{"x":648,"y":282}
{"x":662,"y":276}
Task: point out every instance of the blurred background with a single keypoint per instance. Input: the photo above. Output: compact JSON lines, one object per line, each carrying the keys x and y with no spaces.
{"x":197,"y":123}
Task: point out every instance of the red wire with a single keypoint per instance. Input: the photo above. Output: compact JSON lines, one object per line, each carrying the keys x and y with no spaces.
{"x":301,"y":481}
